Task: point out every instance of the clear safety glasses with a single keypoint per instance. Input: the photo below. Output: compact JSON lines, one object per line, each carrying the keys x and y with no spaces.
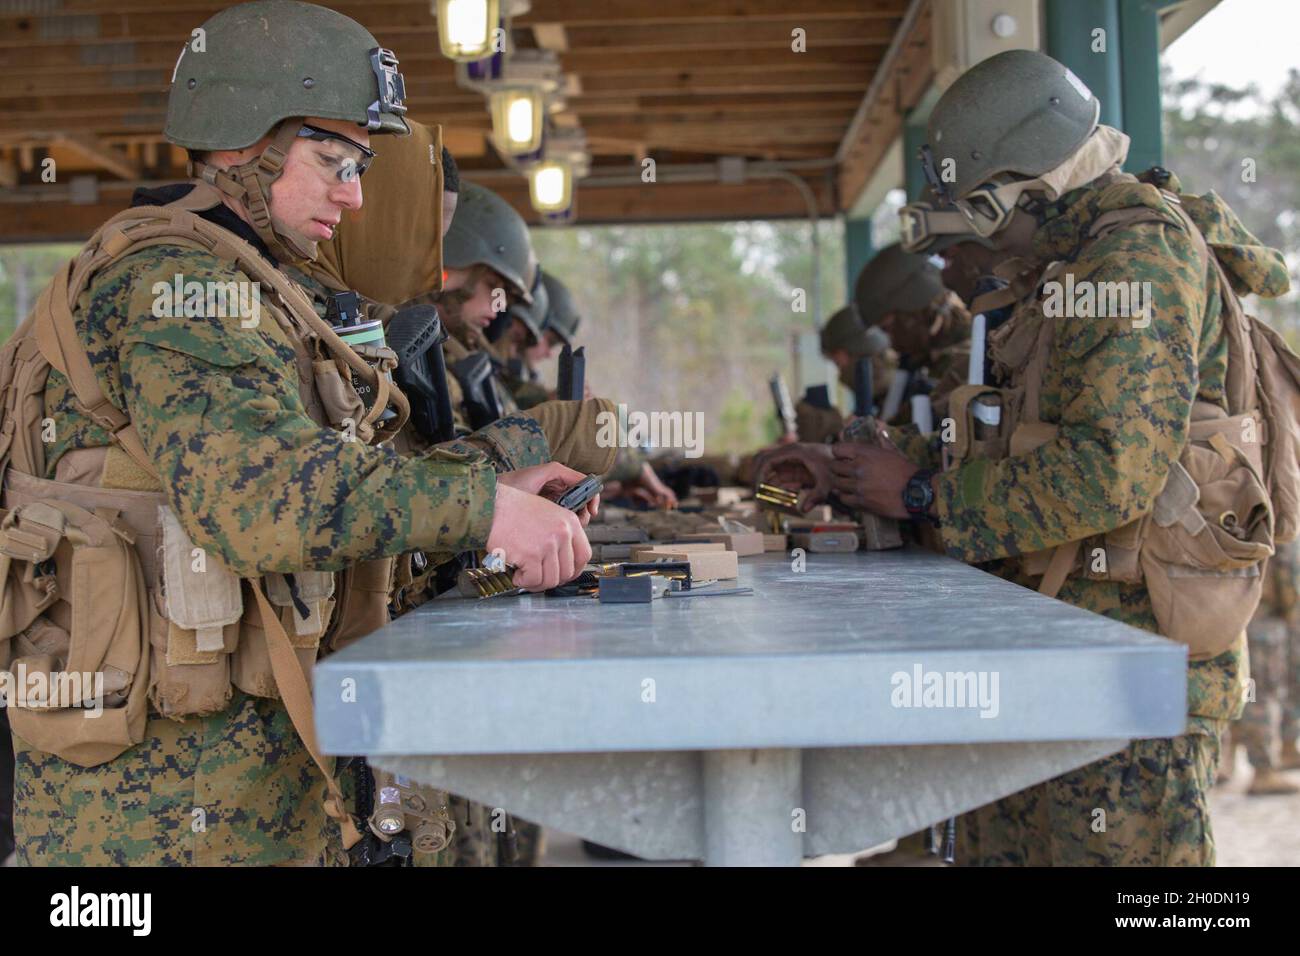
{"x":338,"y":157}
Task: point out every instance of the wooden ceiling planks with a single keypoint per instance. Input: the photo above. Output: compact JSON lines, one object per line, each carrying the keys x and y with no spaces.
{"x":680,"y":81}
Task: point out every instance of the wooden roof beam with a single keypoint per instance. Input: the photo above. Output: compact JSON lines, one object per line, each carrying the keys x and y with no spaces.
{"x":905,"y":75}
{"x":99,"y":154}
{"x":74,"y":17}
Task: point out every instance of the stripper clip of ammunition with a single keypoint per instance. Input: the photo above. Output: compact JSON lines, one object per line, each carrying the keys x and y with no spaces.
{"x":782,"y":499}
{"x":486,"y":583}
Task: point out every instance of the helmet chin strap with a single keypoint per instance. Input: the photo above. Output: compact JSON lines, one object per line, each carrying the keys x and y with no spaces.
{"x":250,"y":184}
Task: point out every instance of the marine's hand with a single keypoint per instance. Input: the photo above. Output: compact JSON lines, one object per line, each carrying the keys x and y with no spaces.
{"x":801,"y":466}
{"x":543,"y":541}
{"x":870,"y":477}
{"x":537,"y":477}
{"x":649,"y":487}
{"x":550,"y":481}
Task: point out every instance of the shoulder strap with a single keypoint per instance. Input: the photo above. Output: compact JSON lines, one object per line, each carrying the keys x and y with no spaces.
{"x":173,"y":224}
{"x":1243,"y":365}
{"x":1114,"y":219}
{"x":56,"y":335}
{"x":296,"y":696}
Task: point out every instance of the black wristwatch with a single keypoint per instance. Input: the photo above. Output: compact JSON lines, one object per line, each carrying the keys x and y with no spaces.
{"x":918,"y":496}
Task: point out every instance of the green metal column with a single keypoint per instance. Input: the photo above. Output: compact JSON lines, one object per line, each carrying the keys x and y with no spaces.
{"x":1125,"y":75}
{"x":1140,"y":81}
{"x":1073,"y":39}
{"x":859,"y":247}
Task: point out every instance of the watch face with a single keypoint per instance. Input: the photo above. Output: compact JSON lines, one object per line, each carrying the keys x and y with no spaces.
{"x":916,"y":497}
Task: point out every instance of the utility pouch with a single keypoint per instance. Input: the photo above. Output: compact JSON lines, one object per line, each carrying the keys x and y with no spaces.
{"x":251,"y":669}
{"x":1209,"y":532}
{"x":343,"y":406}
{"x":363,"y":606}
{"x":198,"y":627}
{"x":977,"y":415}
{"x":81,"y":673}
{"x":303,"y":602}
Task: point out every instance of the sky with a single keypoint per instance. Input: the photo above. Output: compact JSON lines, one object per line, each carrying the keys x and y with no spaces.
{"x":1241,"y":42}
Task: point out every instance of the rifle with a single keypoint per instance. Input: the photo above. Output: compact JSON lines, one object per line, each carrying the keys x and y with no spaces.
{"x":573,"y":372}
{"x":818,"y":396}
{"x":864,"y":405}
{"x":784,"y":407}
{"x":416,"y":334}
{"x":475,"y":374}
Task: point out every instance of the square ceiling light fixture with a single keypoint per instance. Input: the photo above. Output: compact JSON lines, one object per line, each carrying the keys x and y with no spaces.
{"x":550,"y":180}
{"x":465,"y":27}
{"x":521,"y":86}
{"x":518,"y":114}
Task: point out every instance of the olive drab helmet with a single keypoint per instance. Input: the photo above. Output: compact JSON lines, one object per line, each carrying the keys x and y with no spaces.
{"x":256,"y":69}
{"x":1011,"y":117}
{"x":562,"y":317}
{"x":896,"y":281}
{"x":487,"y":231}
{"x":844,"y":330}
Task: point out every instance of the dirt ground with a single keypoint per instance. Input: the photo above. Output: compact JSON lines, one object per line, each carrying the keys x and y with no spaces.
{"x":1255,"y":831}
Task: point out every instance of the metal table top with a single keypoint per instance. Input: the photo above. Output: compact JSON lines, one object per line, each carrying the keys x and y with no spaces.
{"x":872,"y":648}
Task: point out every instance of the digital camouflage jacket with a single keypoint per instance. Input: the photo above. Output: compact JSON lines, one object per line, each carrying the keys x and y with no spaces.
{"x":1121,"y":396}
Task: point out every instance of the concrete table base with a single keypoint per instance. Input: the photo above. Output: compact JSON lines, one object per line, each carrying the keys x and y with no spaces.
{"x":749,"y":807}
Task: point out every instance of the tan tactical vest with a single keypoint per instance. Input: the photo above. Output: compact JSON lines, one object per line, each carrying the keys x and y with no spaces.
{"x":100,"y":577}
{"x":1229,"y":497}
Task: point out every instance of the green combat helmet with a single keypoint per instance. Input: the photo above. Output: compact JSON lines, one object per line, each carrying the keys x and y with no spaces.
{"x":1011,"y":117}
{"x":844,"y":330}
{"x":895,"y":281}
{"x":261,"y":64}
{"x":562,"y":318}
{"x":486,"y":230}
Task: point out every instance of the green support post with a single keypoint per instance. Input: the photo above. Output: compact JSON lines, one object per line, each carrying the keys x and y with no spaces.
{"x":1125,"y":76}
{"x":1073,"y":39}
{"x":1140,"y":80}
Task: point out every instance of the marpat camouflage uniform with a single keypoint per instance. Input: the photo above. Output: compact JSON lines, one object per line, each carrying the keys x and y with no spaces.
{"x":260,"y":484}
{"x":510,"y":443}
{"x":1122,"y":398}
